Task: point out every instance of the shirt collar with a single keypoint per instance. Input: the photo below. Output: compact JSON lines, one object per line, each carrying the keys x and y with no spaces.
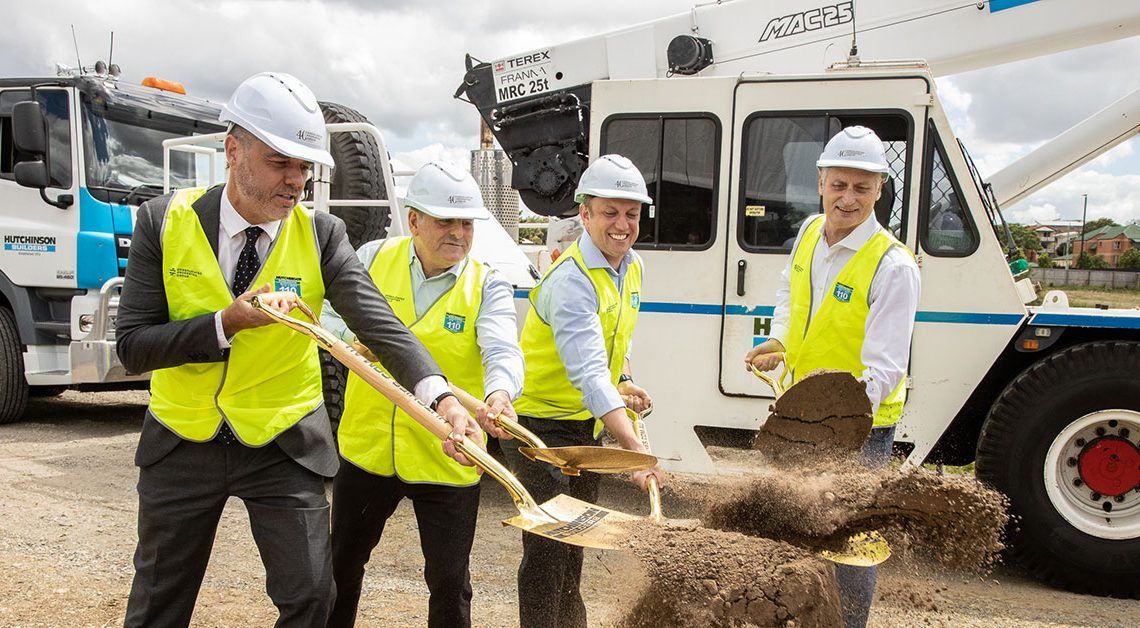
{"x":414,"y":262}
{"x":857,"y":238}
{"x":594,"y":258}
{"x":232,"y":223}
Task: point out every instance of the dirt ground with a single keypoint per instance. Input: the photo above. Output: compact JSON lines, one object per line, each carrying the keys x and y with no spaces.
{"x":69,"y":532}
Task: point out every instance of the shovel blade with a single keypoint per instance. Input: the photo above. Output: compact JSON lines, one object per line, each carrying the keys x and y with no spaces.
{"x":573,"y":460}
{"x":573,"y":521}
{"x":865,"y":549}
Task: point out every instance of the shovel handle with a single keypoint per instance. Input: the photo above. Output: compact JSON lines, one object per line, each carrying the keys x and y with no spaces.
{"x":403,"y":399}
{"x":777,"y":386}
{"x":652,"y":486}
{"x":507,"y":424}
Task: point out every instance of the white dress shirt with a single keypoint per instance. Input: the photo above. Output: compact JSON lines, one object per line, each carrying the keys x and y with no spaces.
{"x":231,"y":240}
{"x":496,"y":330}
{"x":894,"y":301}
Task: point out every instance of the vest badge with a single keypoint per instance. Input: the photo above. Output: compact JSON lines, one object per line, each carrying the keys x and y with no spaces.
{"x":454,"y":323}
{"x":635,"y":300}
{"x":842,"y":293}
{"x":287,"y":284}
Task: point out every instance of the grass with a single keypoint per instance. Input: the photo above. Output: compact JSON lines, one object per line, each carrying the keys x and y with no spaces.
{"x":1084,"y":296}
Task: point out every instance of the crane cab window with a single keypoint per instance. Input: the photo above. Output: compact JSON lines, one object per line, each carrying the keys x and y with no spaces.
{"x":947,"y":229}
{"x":57,"y":114}
{"x":780,"y":182}
{"x":677,"y":155}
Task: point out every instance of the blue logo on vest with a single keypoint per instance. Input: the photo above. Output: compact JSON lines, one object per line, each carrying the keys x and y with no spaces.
{"x":454,"y":323}
{"x":287,"y":284}
{"x":635,"y":300}
{"x":842,"y":293}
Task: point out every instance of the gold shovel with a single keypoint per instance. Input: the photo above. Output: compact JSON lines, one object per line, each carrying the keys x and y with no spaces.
{"x":654,"y":489}
{"x":562,"y":518}
{"x":570,"y":460}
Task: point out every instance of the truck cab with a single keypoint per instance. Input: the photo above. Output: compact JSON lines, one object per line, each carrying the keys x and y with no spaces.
{"x":78,"y":154}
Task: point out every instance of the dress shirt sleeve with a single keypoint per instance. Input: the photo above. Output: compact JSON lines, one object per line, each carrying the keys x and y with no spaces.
{"x":569,"y":305}
{"x":497,"y":333}
{"x":782,"y":315}
{"x":330,"y":319}
{"x":219,"y":331}
{"x":890,"y":323}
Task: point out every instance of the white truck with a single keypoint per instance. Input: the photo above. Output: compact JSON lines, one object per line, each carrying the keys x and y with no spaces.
{"x":79,"y":153}
{"x":724,"y":110}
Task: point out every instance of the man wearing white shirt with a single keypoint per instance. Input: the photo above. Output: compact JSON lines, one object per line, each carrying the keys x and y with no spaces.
{"x":464,"y":313}
{"x":847,"y":301}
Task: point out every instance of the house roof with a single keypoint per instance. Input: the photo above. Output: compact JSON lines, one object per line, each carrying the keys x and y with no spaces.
{"x":1132,"y":232}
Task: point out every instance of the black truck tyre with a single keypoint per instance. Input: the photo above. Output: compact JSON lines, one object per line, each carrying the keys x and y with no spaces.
{"x":357,"y":175}
{"x":13,"y":386}
{"x":1062,"y":429}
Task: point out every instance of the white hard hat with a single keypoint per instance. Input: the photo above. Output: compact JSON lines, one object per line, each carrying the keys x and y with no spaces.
{"x":444,"y":190}
{"x":612,"y":176}
{"x":279,"y":110}
{"x":855,"y":147}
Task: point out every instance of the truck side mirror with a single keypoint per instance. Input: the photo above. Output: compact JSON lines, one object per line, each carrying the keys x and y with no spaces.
{"x":29,"y":131}
{"x":29,"y":134}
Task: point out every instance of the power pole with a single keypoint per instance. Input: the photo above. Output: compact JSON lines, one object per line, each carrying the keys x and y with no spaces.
{"x":1084,"y":216}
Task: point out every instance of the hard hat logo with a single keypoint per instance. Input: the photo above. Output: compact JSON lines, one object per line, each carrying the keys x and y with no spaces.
{"x":456,"y":199}
{"x":309,"y":137}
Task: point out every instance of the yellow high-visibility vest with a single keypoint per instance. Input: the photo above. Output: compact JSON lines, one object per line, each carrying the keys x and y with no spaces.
{"x":377,"y":436}
{"x":547,"y":392}
{"x":272,"y":377}
{"x":833,"y":337}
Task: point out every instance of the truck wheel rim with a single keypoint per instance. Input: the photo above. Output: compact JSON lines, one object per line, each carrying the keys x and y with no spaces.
{"x":1097,"y":452}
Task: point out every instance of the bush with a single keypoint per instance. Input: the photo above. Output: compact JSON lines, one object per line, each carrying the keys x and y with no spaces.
{"x":1044,"y":261}
{"x":1088,"y":261}
{"x":1130,"y":260}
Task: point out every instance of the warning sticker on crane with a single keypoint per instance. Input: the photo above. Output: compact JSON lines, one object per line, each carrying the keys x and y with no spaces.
{"x":522,"y":76}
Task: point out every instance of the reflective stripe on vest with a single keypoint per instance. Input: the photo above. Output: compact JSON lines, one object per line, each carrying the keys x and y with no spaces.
{"x":547,"y":391}
{"x":833,"y":337}
{"x":374,"y":434}
{"x":272,"y":377}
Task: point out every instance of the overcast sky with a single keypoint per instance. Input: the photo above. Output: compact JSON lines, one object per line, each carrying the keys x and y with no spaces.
{"x":399,"y":62}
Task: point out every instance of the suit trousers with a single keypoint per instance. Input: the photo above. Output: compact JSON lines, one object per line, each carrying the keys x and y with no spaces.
{"x":181,"y":497}
{"x":857,"y":584}
{"x":446,"y":517}
{"x":551,"y":572}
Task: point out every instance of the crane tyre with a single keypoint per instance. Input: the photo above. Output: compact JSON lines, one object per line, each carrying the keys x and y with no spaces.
{"x":334,"y":376}
{"x":13,"y":386}
{"x":1039,"y":445}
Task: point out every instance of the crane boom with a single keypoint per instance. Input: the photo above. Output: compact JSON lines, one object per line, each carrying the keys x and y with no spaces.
{"x":537,"y":102}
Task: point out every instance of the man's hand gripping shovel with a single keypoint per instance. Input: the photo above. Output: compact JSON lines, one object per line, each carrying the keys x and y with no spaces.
{"x":562,"y":518}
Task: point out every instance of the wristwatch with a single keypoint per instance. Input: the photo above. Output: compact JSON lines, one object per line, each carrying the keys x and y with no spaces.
{"x":441,"y":397}
{"x":624,"y":378}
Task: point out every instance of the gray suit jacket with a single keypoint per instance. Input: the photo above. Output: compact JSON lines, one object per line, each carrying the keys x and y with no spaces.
{"x":149,"y":340}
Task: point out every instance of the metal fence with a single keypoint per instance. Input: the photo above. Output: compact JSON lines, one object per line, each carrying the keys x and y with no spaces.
{"x":1093,"y":278}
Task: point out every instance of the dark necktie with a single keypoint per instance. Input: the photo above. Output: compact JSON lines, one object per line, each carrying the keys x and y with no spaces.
{"x":248,"y":262}
{"x":246,"y":269}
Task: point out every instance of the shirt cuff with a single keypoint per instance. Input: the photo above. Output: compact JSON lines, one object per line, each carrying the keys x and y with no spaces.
{"x":501,"y":383}
{"x":430,"y":387}
{"x":223,"y":342}
{"x":602,"y":400}
{"x":779,"y":333}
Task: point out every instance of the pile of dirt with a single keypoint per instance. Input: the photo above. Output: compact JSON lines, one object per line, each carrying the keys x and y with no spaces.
{"x":955,"y":520}
{"x":703,"y":577}
{"x":825,"y":411}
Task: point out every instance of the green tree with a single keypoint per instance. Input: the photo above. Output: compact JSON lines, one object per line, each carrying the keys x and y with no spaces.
{"x":1088,"y":261}
{"x":1044,"y":261}
{"x":1130,"y":260}
{"x":1098,"y":223}
{"x":536,"y":236}
{"x":1025,"y":238}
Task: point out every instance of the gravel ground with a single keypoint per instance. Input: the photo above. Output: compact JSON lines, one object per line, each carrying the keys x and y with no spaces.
{"x":69,"y":533}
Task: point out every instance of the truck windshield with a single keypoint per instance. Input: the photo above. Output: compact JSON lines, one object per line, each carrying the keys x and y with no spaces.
{"x":122,"y":150}
{"x":997,"y":220}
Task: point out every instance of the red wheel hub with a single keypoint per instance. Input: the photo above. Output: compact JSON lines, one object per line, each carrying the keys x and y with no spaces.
{"x":1110,"y":466}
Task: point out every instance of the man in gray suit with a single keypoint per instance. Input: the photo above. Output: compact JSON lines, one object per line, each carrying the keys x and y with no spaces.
{"x":236,"y":404}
